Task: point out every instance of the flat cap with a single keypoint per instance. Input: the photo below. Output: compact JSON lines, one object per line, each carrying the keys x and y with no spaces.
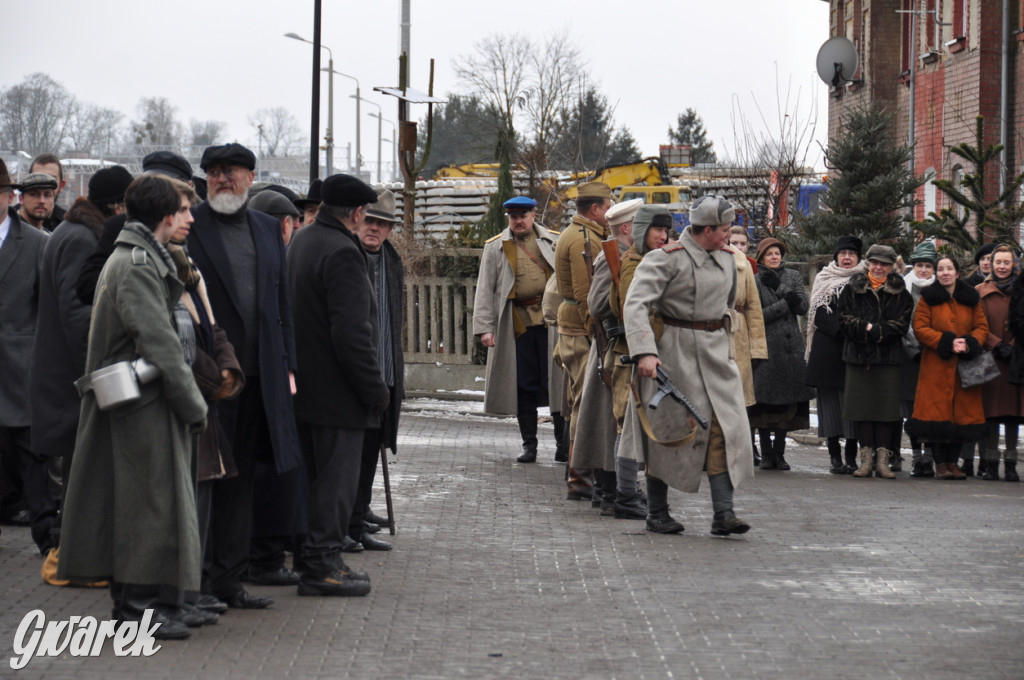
{"x":384,"y":208}
{"x":346,"y":191}
{"x":38,"y":180}
{"x":620,"y":213}
{"x":880,"y":253}
{"x":593,"y":190}
{"x":168,"y":163}
{"x":273,"y":203}
{"x":228,"y":154}
{"x":108,"y":185}
{"x":519,"y":204}
{"x":711,"y":211}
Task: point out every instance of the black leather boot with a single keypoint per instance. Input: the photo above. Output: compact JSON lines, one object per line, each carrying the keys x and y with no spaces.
{"x":528,"y":431}
{"x":851,"y":449}
{"x":561,"y":437}
{"x":767,"y":452}
{"x":779,"y":450}
{"x":835,"y":455}
{"x":658,"y":519}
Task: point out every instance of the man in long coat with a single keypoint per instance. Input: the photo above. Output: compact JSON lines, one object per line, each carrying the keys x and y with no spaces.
{"x":507,"y":315}
{"x":341,"y":391}
{"x":130,"y":513}
{"x":21,"y":259}
{"x":241,"y":256}
{"x":692,"y":283}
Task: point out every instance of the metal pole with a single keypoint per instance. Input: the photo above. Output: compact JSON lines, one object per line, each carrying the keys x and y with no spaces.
{"x":330,"y":114}
{"x":1004,"y":100}
{"x":314,"y":118}
{"x":379,"y":161}
{"x":359,"y":143}
{"x":913,"y":77}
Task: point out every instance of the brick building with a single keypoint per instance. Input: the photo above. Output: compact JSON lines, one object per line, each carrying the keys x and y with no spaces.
{"x":949,"y":53}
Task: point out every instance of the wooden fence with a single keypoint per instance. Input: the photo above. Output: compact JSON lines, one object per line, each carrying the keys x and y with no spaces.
{"x":439,"y":312}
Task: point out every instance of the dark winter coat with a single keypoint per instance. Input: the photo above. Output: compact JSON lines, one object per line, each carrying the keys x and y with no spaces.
{"x":1015,"y":323}
{"x":1002,"y":399}
{"x":62,"y":332}
{"x":395,"y":271}
{"x":90,"y":273}
{"x":780,"y":379}
{"x":943,"y":410}
{"x":338,"y":379}
{"x":276,"y":337}
{"x":888,"y":310}
{"x":130,"y":512}
{"x":21,"y":263}
{"x":825,"y":366}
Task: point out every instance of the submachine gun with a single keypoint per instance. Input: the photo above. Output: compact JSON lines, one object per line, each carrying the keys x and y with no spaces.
{"x":665,"y":389}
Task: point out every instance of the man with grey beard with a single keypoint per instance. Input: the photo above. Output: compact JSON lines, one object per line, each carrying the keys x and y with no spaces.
{"x":241,"y":256}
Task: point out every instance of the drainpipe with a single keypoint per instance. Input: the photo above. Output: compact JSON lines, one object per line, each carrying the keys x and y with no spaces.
{"x":1004,"y":99}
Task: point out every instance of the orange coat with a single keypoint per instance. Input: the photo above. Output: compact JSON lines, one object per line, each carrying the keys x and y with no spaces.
{"x":943,"y":410}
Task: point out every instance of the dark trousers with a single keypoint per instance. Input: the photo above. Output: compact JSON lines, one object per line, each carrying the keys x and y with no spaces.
{"x":33,"y":471}
{"x":532,"y":370}
{"x":367,"y":471}
{"x":332,"y":460}
{"x":227,"y":553}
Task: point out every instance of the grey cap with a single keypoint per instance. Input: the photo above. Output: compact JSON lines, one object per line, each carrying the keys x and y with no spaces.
{"x":711,"y":211}
{"x":273,"y":203}
{"x":880,"y":253}
{"x":384,"y":208}
{"x":38,"y":180}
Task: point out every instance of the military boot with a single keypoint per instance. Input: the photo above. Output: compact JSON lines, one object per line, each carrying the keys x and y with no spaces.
{"x":835,"y":455}
{"x":528,"y":431}
{"x":561,"y":438}
{"x":851,"y":456}
{"x":991,"y":465}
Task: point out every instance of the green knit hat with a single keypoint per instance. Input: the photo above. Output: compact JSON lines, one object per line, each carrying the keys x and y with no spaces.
{"x":924,"y":252}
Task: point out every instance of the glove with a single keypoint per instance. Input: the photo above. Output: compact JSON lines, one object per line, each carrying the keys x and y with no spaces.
{"x":792,"y":299}
{"x":769,"y":278}
{"x":1003,"y":351}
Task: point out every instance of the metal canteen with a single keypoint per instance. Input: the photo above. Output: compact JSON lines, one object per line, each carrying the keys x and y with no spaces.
{"x":118,"y":383}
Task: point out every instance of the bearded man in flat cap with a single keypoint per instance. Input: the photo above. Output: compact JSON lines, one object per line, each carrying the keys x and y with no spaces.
{"x":241,"y":256}
{"x":341,"y":388}
{"x":575,"y":252}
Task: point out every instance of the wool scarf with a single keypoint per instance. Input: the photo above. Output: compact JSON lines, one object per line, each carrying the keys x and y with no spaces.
{"x":827,"y":285}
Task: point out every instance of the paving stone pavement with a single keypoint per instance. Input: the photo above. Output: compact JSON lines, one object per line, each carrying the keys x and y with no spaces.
{"x":495,"y":575}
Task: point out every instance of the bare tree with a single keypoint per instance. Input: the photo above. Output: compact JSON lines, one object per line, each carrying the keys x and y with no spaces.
{"x":95,"y":130}
{"x":35,"y":115}
{"x":158,"y":125}
{"x":773,"y":156}
{"x":280,"y":130}
{"x":497,"y":73}
{"x":204,"y":133}
{"x":556,"y":82}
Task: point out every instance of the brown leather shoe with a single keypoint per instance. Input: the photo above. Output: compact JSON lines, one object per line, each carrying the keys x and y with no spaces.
{"x":956,"y":472}
{"x":942,"y":471}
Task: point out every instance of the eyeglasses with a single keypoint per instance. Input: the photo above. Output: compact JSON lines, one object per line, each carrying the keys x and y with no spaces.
{"x":227,"y":173}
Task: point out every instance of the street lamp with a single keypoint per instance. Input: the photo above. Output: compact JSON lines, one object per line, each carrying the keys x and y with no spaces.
{"x":358,"y":98}
{"x":329,"y":137}
{"x":379,"y":119}
{"x":394,"y":147}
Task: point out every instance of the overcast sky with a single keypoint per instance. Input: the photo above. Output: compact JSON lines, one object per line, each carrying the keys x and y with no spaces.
{"x":222,"y":59}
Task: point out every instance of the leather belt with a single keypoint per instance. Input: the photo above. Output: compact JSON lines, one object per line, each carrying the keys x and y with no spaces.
{"x":529,"y":302}
{"x":694,"y":325}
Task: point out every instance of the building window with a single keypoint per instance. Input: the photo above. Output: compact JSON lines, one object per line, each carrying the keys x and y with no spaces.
{"x":959,"y":18}
{"x":929,"y":192}
{"x":958,"y":180}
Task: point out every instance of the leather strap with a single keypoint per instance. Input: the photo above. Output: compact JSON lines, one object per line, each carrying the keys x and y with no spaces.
{"x":694,"y":325}
{"x":641,"y":413}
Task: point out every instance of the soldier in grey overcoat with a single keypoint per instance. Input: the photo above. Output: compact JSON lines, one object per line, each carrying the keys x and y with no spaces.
{"x":692,"y":283}
{"x":507,"y":316}
{"x":130,"y":510}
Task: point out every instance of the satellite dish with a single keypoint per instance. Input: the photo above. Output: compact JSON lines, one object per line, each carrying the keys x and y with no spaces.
{"x":837,"y":61}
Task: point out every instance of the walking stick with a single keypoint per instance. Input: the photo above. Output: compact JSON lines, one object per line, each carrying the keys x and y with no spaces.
{"x":387,"y":489}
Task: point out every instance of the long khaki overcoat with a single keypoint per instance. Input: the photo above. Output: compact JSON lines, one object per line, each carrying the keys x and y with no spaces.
{"x":748,"y":335}
{"x":492,"y":313}
{"x":686,"y":282}
{"x":130,"y":512}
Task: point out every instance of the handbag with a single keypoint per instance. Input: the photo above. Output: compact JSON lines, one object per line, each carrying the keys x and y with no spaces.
{"x":977,"y":371}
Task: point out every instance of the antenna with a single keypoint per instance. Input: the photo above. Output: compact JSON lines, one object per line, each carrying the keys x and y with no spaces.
{"x":837,"y":61}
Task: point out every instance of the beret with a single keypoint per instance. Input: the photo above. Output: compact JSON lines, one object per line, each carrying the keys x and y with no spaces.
{"x":346,"y":191}
{"x":983,"y":251}
{"x":228,"y":154}
{"x":168,"y":163}
{"x":519,"y":204}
